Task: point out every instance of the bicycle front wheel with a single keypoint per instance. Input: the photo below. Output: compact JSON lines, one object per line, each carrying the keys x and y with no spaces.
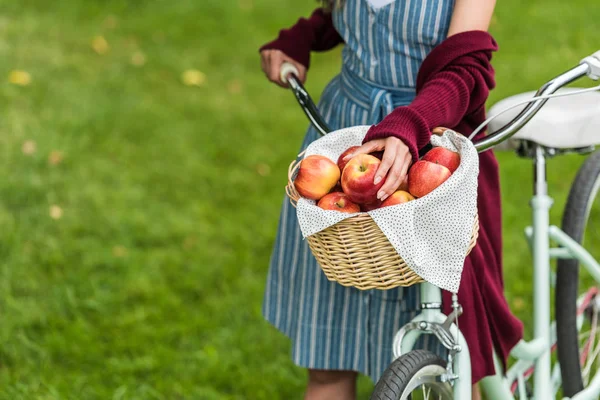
{"x":415,"y":376}
{"x":576,"y":298}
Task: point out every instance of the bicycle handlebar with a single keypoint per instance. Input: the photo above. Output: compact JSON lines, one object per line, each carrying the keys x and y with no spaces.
{"x":287,"y":69}
{"x":303,"y":98}
{"x":593,"y":62}
{"x":531,"y":109}
{"x":589,"y":66}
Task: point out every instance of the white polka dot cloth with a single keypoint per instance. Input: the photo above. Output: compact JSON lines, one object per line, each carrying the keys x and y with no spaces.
{"x":432,"y":234}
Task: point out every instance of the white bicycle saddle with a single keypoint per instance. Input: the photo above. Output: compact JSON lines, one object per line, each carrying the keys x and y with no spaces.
{"x":566,"y":122}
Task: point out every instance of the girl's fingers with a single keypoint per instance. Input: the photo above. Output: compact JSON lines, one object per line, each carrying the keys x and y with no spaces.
{"x":389,"y":156}
{"x":271,"y":62}
{"x":393,"y":180}
{"x":275,"y":66}
{"x":396,"y":173}
{"x":263,"y":61}
{"x":268,"y":65}
{"x":405,"y":167}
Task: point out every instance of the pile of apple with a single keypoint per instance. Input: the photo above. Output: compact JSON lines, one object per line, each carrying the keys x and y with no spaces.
{"x":348,"y":186}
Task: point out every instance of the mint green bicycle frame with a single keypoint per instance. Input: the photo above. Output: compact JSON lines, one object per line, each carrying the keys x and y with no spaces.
{"x":527,"y":353}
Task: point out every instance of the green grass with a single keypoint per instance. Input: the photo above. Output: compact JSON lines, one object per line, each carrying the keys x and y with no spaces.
{"x":149,"y":283}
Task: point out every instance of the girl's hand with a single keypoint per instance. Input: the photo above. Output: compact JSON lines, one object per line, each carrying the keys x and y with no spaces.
{"x":395,"y":163}
{"x":271,"y":61}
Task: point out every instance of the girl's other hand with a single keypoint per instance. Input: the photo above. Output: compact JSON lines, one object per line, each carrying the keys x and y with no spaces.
{"x":271,"y":61}
{"x":395,"y":163}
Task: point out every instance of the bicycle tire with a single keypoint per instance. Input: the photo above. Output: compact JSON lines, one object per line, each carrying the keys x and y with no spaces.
{"x":581,"y":196}
{"x":396,"y":381}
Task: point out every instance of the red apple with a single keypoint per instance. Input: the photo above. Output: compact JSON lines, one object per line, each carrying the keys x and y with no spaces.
{"x":358,"y":176}
{"x":404,"y":184}
{"x":440,"y":155}
{"x":338,"y":201}
{"x":341,"y":162}
{"x":370,"y":207}
{"x":316,"y":176}
{"x":336,"y":188}
{"x":425,"y":176}
{"x":398,"y":197}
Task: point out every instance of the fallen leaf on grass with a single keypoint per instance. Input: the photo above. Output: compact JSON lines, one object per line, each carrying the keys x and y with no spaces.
{"x":518,"y":303}
{"x":55,"y":157}
{"x":56,"y":212}
{"x":100,"y":45}
{"x":263,"y":169}
{"x":189,"y":242}
{"x":131,"y":42}
{"x":193,"y":77}
{"x":110,"y":22}
{"x":138,"y":59}
{"x":29,"y":147}
{"x":234,"y":86}
{"x":19,"y":77}
{"x":119,"y":251}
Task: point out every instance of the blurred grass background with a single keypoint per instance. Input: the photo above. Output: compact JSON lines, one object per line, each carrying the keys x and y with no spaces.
{"x":143,"y":160}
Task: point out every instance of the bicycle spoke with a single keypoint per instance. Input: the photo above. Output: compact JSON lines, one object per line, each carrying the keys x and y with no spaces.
{"x":591,"y":348}
{"x":591,"y":339}
{"x":429,"y":393}
{"x":584,"y":335}
{"x":597,"y":363}
{"x":426,"y":392}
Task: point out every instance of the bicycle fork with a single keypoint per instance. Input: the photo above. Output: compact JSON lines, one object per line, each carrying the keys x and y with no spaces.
{"x":431,"y":320}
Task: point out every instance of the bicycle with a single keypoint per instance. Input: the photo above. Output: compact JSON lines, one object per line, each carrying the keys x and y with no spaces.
{"x":415,"y":372}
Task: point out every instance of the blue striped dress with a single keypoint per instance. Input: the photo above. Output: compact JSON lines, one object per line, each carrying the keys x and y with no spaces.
{"x":331,"y":326}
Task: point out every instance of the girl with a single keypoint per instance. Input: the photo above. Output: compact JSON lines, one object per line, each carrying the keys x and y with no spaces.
{"x":408,"y":66}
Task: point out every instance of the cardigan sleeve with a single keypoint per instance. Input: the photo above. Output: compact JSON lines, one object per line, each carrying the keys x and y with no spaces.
{"x":453,"y":84}
{"x":315,"y":33}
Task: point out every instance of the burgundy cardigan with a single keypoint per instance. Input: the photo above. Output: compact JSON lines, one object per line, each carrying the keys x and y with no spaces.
{"x":316,"y":33}
{"x":453,"y":85}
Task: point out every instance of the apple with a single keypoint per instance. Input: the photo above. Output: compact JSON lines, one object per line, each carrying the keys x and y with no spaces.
{"x":316,"y":176}
{"x":357,"y":179}
{"x":337,"y":188}
{"x":338,"y":201}
{"x":398,"y":197}
{"x":404,"y":184}
{"x":341,"y":162}
{"x":425,"y":176}
{"x":370,"y":207}
{"x":441,"y":155}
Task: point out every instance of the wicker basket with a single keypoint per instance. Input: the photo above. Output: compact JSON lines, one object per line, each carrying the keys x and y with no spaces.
{"x":355,"y":252}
